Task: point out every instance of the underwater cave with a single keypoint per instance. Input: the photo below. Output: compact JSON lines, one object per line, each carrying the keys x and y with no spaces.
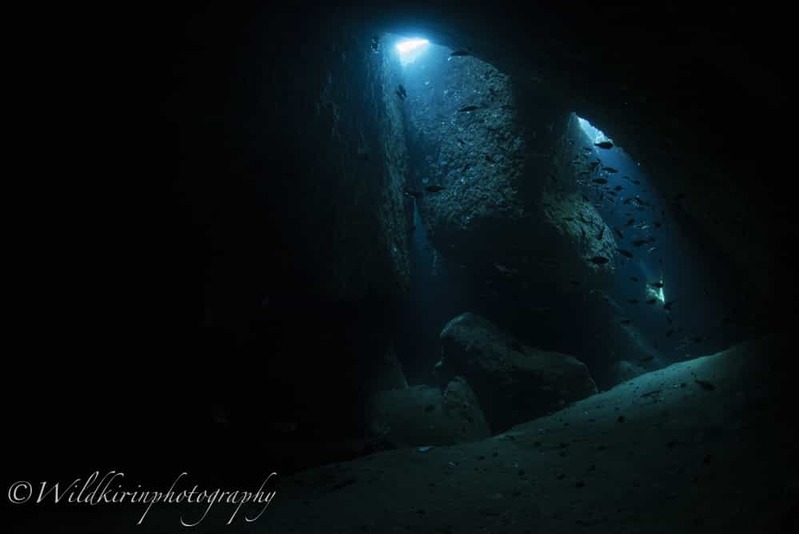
{"x":494,"y":175}
{"x":439,"y":269}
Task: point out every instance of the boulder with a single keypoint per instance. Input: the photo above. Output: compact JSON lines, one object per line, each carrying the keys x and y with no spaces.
{"x":513,"y":382}
{"x":424,"y":415}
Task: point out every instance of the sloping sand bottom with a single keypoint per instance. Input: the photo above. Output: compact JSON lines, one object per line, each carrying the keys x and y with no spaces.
{"x":700,"y":446}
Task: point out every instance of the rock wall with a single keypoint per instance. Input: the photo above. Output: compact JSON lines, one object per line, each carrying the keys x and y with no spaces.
{"x":364,"y":239}
{"x":488,"y":161}
{"x":292,"y":162}
{"x":323,"y":156}
{"x":468,"y":151}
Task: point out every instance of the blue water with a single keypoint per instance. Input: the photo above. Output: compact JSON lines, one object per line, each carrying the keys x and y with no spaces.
{"x":686,"y":319}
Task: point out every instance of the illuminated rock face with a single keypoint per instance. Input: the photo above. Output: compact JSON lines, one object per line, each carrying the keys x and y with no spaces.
{"x":484,"y":151}
{"x":466,"y":151}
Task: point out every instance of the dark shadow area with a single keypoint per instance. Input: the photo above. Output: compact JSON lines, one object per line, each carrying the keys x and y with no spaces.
{"x":187,"y":292}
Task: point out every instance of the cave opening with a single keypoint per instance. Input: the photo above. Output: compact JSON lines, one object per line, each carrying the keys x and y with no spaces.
{"x":476,"y":139}
{"x":409,"y":50}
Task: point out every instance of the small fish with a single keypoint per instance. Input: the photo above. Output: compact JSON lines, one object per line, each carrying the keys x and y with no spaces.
{"x":657,"y":224}
{"x":651,"y":301}
{"x":435,"y":188}
{"x":646,"y":358}
{"x":599,"y":260}
{"x":600,"y":181}
{"x":468,"y":108}
{"x":639,"y":242}
{"x":630,"y":222}
{"x":626,"y":321}
{"x":460,"y":52}
{"x":401,"y":92}
{"x":618,"y":188}
{"x":618,"y":233}
{"x":412,"y":193}
{"x":669,"y":332}
{"x":586,"y":198}
{"x":625,"y":253}
{"x":610,"y":169}
{"x":634,"y":278}
{"x":667,"y":305}
{"x":657,"y":285}
{"x":604,"y":144}
{"x":633,"y":301}
{"x":601,"y":234}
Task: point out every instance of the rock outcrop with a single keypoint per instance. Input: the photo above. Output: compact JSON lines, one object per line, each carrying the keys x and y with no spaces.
{"x":423,"y":416}
{"x":513,"y":382}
